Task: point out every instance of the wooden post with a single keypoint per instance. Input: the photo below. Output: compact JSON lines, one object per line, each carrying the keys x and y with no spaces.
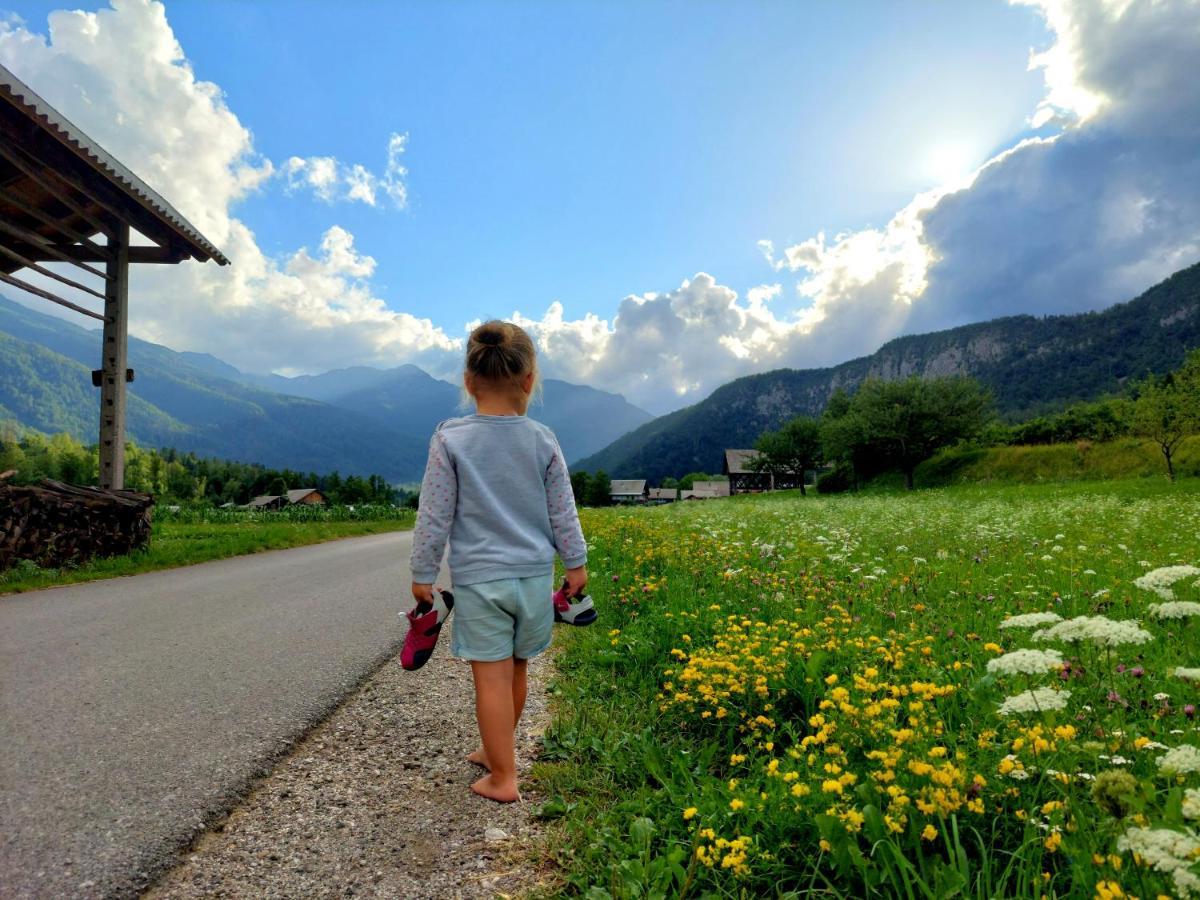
{"x":113,"y":362}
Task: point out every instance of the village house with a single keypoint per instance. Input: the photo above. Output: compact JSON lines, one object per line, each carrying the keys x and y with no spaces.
{"x":743,"y":479}
{"x":628,"y":490}
{"x":664,"y":495}
{"x":708,"y":490}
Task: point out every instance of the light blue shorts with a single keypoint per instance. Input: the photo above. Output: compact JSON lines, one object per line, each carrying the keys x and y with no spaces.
{"x":494,"y":620}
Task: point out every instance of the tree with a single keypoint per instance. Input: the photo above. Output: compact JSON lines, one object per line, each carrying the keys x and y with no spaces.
{"x":688,"y":481}
{"x":899,"y":424}
{"x":579,"y":487}
{"x":599,"y":489}
{"x":792,"y":450}
{"x":1167,"y":410}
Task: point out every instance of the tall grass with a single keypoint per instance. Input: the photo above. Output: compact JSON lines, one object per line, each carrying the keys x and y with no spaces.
{"x":792,"y":697}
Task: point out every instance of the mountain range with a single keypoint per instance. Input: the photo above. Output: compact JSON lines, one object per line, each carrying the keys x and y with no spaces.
{"x":358,"y":420}
{"x":1030,"y":364}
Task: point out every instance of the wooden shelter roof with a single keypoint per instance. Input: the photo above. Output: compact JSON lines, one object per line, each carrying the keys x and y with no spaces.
{"x":59,"y":189}
{"x":737,"y":462}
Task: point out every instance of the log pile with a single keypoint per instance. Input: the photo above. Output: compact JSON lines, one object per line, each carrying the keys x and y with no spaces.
{"x":54,"y":524}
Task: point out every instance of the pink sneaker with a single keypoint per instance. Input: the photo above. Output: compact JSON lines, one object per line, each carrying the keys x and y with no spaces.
{"x":576,"y":610}
{"x":425,"y":621}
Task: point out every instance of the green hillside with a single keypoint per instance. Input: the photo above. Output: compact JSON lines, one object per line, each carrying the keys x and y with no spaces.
{"x":1032,"y":365}
{"x":45,"y":383}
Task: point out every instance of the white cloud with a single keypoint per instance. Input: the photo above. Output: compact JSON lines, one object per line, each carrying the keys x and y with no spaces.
{"x":121,"y":76}
{"x":1089,"y":216}
{"x":1102,"y":208}
{"x":332,"y":180}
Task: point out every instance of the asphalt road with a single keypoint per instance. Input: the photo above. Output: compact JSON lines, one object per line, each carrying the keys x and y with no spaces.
{"x":136,"y":710}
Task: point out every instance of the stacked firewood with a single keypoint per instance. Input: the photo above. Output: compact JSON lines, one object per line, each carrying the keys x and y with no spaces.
{"x":53,"y":524}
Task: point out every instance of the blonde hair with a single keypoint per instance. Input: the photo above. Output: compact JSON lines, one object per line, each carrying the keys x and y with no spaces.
{"x":500,"y":353}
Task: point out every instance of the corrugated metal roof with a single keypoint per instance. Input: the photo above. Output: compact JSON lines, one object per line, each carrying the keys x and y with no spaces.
{"x":54,"y":122}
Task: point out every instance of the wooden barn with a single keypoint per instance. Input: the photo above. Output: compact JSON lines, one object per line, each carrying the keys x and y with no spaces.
{"x":267,"y":501}
{"x":664,"y":495}
{"x":306,"y":496}
{"x":743,"y":479}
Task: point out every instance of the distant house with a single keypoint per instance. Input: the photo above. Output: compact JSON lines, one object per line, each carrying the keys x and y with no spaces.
{"x":707,"y":490}
{"x":664,"y":495}
{"x":687,"y":495}
{"x":629,"y":490}
{"x":744,"y":480}
{"x":267,"y":501}
{"x":307,"y":496}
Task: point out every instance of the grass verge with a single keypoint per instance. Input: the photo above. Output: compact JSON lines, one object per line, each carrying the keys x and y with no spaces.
{"x":176,"y":544}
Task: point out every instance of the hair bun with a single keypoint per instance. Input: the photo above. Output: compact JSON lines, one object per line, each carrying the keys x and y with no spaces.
{"x":490,"y":338}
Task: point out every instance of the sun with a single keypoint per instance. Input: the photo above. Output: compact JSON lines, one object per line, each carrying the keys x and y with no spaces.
{"x":949,"y":161}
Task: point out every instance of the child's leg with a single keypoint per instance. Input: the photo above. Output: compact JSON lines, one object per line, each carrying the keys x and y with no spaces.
{"x":520,"y":687}
{"x":495,"y":711}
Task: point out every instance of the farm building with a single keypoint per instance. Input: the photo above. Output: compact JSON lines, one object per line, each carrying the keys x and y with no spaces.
{"x":66,"y":202}
{"x":628,"y":490}
{"x":267,"y":501}
{"x":744,"y":480}
{"x":707,"y":490}
{"x":664,"y":495}
{"x":306,"y":496}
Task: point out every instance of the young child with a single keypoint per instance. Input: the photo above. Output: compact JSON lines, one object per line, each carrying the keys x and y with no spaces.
{"x":497,"y":486}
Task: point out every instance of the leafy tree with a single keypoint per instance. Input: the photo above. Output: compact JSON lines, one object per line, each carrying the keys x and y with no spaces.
{"x":599,"y":490}
{"x":792,"y":450}
{"x":899,"y":424}
{"x":669,"y":483}
{"x":1168,"y":409}
{"x":688,"y":481}
{"x":579,"y":487}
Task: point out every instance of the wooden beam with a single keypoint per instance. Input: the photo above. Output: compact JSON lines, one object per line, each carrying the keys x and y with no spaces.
{"x":42,"y":270}
{"x":42,"y":250}
{"x":102,"y":254}
{"x":46,"y":295}
{"x":37,"y":173}
{"x":113,"y":363}
{"x":137,"y":255}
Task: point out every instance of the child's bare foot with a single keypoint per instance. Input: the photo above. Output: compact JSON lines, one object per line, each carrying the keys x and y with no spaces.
{"x":500,"y":791}
{"x":479,"y":758}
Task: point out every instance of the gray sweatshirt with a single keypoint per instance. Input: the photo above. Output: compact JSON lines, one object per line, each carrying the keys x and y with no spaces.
{"x":498,"y":488}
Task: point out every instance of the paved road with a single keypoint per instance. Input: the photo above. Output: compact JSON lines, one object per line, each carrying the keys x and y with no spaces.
{"x":135,"y":710}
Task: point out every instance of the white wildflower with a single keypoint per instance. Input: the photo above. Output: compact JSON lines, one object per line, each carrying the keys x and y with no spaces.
{"x":1037,"y":700}
{"x":1098,"y":630}
{"x":1169,"y":852}
{"x":1175,"y":609}
{"x":1025,"y":662}
{"x":1191,"y":803}
{"x":1183,"y":760}
{"x":1031,"y":620}
{"x":1161,"y":696}
{"x":1187,"y":674}
{"x":1160,"y":580}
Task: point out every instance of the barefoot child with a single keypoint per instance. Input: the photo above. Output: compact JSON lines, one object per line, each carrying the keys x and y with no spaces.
{"x":497,"y":486}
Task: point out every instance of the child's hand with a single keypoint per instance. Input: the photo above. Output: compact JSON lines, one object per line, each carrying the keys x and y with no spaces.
{"x":576,"y":581}
{"x":424,"y":592}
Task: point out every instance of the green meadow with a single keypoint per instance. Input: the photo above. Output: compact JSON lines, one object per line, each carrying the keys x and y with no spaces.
{"x":974,"y":691}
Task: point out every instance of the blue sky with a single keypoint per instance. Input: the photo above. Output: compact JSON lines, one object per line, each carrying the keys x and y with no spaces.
{"x":586,"y":151}
{"x":580,"y":153}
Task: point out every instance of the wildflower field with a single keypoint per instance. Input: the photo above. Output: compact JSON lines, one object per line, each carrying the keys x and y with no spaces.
{"x":973,"y":692}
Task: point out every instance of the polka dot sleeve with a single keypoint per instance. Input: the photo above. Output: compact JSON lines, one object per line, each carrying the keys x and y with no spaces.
{"x":564,"y":520}
{"x":439,"y":497}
